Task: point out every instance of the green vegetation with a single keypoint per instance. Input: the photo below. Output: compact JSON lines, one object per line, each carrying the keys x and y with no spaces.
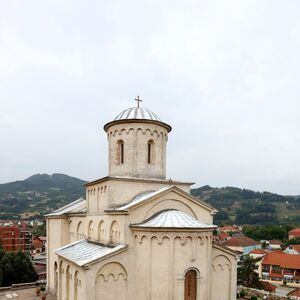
{"x":246,"y":274}
{"x":243,"y":206}
{"x":38,"y":195}
{"x":15,"y":267}
{"x":267,"y":232}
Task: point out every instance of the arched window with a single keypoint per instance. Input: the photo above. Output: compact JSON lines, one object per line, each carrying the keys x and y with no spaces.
{"x":190,"y":285}
{"x":150,"y":149}
{"x":120,"y":152}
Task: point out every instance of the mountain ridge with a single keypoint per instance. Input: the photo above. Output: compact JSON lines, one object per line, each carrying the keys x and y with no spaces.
{"x":42,"y":193}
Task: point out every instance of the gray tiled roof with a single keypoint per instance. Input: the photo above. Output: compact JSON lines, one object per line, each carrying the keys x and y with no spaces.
{"x":173,"y":219}
{"x":142,"y":197}
{"x":137,"y":113}
{"x":84,"y":252}
{"x":76,"y":206}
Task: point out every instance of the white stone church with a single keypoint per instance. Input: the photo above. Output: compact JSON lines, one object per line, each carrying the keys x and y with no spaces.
{"x":138,"y":235}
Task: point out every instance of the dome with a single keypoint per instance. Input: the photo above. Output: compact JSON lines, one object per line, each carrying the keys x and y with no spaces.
{"x":137,"y":113}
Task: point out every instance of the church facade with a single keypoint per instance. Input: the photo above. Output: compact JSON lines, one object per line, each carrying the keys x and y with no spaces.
{"x":137,"y":235}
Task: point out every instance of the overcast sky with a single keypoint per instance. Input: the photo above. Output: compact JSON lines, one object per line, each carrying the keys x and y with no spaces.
{"x":224,"y":74}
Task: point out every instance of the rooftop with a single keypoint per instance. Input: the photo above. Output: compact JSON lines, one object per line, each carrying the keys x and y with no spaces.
{"x":284,"y":260}
{"x":258,"y":251}
{"x":76,"y":206}
{"x":173,"y":219}
{"x":240,"y":241}
{"x":84,"y":252}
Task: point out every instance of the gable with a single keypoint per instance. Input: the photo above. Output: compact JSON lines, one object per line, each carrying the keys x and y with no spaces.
{"x":171,"y":198}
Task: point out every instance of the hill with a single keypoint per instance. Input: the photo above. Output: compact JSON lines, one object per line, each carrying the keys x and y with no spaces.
{"x":42,"y":193}
{"x":243,"y":206}
{"x":38,"y":194}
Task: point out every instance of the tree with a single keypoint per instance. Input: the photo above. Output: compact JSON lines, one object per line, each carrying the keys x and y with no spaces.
{"x":17,"y":268}
{"x":246,"y":272}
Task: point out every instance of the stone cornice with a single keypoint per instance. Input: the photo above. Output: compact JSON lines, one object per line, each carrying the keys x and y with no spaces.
{"x":132,"y":179}
{"x":143,"y":121}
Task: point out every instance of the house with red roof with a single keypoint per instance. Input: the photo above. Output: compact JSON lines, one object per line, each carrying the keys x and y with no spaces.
{"x":280,"y":266}
{"x":294,"y":233}
{"x":294,"y":293}
{"x":293,"y":249}
{"x":275,"y":244}
{"x":242,"y":244}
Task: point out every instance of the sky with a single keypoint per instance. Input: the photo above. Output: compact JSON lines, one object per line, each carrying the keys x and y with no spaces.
{"x":224,"y":74}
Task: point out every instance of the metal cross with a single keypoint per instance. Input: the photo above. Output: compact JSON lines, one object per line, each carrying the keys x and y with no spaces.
{"x":138,"y":100}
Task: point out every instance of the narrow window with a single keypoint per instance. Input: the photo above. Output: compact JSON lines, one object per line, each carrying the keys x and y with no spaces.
{"x":120,"y":152}
{"x":150,"y":152}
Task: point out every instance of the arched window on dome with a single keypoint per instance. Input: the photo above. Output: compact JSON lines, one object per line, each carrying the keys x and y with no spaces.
{"x":150,"y":154}
{"x":120,"y":152}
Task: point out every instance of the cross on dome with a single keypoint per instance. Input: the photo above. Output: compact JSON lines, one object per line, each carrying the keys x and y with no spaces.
{"x":138,"y":101}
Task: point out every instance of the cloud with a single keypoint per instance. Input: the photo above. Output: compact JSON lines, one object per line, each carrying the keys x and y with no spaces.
{"x":223,"y":73}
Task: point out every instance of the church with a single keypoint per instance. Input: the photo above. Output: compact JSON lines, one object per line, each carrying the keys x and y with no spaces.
{"x":137,"y":235}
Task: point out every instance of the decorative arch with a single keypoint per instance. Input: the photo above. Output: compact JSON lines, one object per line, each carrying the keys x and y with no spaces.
{"x":90,"y":229}
{"x":60,"y":280}
{"x":114,"y":233}
{"x":176,"y":204}
{"x":55,"y":278}
{"x":221,"y":277}
{"x":76,"y":285}
{"x":68,"y":275}
{"x":101,"y":231}
{"x":111,"y":282}
{"x":79,"y":231}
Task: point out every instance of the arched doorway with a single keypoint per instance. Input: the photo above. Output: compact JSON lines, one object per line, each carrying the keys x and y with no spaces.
{"x":190,"y":285}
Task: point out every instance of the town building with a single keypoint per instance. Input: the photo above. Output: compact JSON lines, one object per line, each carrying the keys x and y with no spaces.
{"x":280,"y":266}
{"x":15,"y":238}
{"x":137,"y":235}
{"x":293,"y":249}
{"x":274,"y":244}
{"x":242,"y":244}
{"x":294,"y":233}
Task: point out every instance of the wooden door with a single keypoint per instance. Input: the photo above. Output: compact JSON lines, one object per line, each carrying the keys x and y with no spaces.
{"x":190,"y":285}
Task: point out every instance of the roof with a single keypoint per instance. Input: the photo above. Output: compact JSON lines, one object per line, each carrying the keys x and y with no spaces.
{"x":258,"y":251}
{"x":295,"y":247}
{"x":282,"y":259}
{"x":229,"y":228}
{"x":137,"y":113}
{"x":295,"y":231}
{"x":295,"y":293}
{"x":240,"y":241}
{"x":267,"y":286}
{"x":84,"y":252}
{"x":275,"y":242}
{"x":76,"y":206}
{"x":143,"y":197}
{"x":173,"y":219}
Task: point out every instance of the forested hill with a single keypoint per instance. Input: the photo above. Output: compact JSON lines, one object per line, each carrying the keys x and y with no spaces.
{"x":242,"y":206}
{"x":38,"y":194}
{"x":42,"y":193}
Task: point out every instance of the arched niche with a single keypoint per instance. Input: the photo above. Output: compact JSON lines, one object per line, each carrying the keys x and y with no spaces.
{"x":165,"y":204}
{"x":79,"y":231}
{"x":221,"y":278}
{"x":114,"y":233}
{"x":101,"y":232}
{"x":90,"y":229}
{"x":111,"y":282}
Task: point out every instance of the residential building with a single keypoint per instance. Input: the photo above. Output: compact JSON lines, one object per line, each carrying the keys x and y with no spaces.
{"x":294,"y":233}
{"x":280,"y":266}
{"x":242,"y":244}
{"x":293,"y":249}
